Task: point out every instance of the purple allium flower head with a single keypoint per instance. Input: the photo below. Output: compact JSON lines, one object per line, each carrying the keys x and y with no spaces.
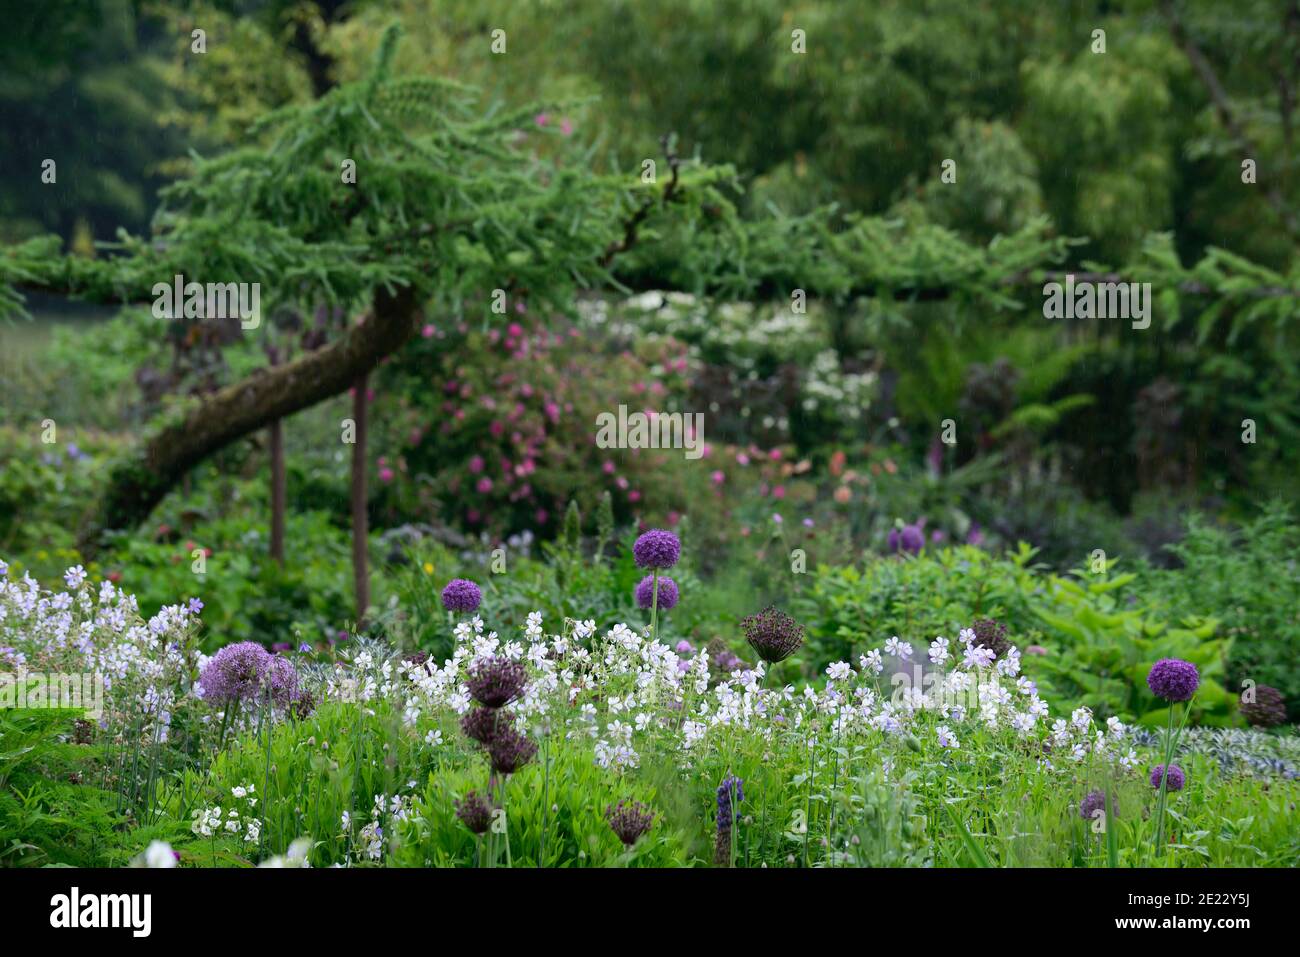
{"x":667,"y":592}
{"x":1173,"y":679}
{"x":280,"y":679}
{"x":481,"y":724}
{"x":657,"y":549}
{"x":773,"y":634}
{"x":909,"y":539}
{"x":629,"y":820}
{"x":497,"y":681}
{"x":474,"y":812}
{"x":1174,"y":780}
{"x":234,"y":673}
{"x":510,"y":750}
{"x":1268,"y":710}
{"x":684,"y":647}
{"x":461,"y":595}
{"x":1095,"y":801}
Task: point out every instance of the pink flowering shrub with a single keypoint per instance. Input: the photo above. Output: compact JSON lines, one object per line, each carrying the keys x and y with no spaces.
{"x":496,"y":430}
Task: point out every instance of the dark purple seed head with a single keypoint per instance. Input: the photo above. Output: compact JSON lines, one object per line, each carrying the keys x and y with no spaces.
{"x":494,"y":682}
{"x":303,"y":704}
{"x":991,"y":634}
{"x":510,"y":750}
{"x":629,"y":820}
{"x":474,"y":812}
{"x":772,"y":634}
{"x":481,"y":724}
{"x":1268,"y":710}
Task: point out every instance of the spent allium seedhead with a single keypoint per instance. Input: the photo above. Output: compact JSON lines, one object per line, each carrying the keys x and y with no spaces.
{"x":234,"y":673}
{"x":1095,"y":801}
{"x":303,"y":704}
{"x":481,"y":724}
{"x":657,"y":549}
{"x":509,"y":750}
{"x":461,"y":595}
{"x":773,"y":634}
{"x":1173,"y":679}
{"x":991,"y":634}
{"x":1175,"y":781}
{"x":496,"y":681}
{"x":474,"y":812}
{"x":629,"y":820}
{"x":667,"y":592}
{"x":1268,"y":710}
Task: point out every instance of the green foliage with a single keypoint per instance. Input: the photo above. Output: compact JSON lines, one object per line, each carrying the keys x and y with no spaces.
{"x":1248,"y":578}
{"x":247,"y":596}
{"x":51,"y":811}
{"x":879,"y":823}
{"x":1091,"y":642}
{"x":1100,"y":648}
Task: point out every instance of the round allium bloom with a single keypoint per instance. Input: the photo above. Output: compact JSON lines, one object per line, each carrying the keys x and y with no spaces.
{"x":773,"y":634}
{"x":667,"y":592}
{"x":629,"y":820}
{"x":1268,"y":710}
{"x":1095,"y":801}
{"x":494,"y":682}
{"x":1173,"y":679}
{"x":461,"y":594}
{"x":509,"y":750}
{"x":657,"y":549}
{"x":481,"y":724}
{"x":909,"y":539}
{"x":1175,"y":781}
{"x":280,"y":678}
{"x":474,"y":812}
{"x":991,"y":634}
{"x":234,"y":673}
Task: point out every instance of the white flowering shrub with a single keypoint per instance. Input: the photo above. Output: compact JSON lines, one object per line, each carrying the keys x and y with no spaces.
{"x":143,"y":668}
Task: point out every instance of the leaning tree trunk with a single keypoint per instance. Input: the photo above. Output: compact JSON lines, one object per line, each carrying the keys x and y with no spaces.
{"x":360,"y":523}
{"x":139,"y":481}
